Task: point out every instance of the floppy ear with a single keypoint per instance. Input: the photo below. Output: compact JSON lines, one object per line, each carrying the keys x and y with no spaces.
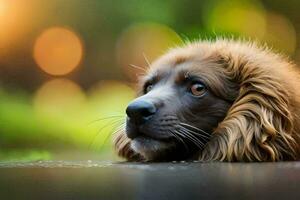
{"x":123,"y":149}
{"x":259,"y":125}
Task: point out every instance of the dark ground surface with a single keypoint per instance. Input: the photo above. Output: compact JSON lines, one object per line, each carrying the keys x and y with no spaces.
{"x":100,"y":180}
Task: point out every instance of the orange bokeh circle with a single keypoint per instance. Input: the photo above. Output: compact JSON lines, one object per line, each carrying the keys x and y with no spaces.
{"x":58,"y":51}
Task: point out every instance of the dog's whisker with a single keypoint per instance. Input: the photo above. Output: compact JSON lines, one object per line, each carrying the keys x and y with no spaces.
{"x":119,"y":128}
{"x":186,"y":136}
{"x":111,"y":122}
{"x":192,"y":134}
{"x":179,"y":139}
{"x":182,"y":135}
{"x":196,"y":133}
{"x":146,"y":59}
{"x":192,"y":138}
{"x":193,"y":127}
{"x":204,"y":137}
{"x":106,"y":118}
{"x":197,"y":139}
{"x":112,"y":132}
{"x":138,"y":67}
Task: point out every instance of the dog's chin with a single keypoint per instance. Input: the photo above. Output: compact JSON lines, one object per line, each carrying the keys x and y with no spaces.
{"x":151,"y":149}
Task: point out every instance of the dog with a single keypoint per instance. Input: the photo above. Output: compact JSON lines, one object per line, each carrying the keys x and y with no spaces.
{"x":223,"y":100}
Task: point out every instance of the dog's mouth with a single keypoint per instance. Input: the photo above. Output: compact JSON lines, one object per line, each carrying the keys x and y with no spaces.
{"x":162,"y":143}
{"x":151,"y":145}
{"x":151,"y":141}
{"x":151,"y":148}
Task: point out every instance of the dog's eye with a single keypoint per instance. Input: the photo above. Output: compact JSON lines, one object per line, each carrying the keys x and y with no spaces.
{"x":198,"y":89}
{"x":148,"y":88}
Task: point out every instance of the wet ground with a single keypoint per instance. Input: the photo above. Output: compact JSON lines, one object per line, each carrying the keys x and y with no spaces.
{"x":104,"y":180}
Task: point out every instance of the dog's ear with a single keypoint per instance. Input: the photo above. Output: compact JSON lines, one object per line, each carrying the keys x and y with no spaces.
{"x":259,"y":125}
{"x":123,"y":148}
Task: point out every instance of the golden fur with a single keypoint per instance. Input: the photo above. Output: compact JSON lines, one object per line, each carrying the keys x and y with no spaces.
{"x":263,"y":124}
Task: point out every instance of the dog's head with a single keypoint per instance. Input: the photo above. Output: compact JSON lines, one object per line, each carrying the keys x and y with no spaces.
{"x":207,"y":100}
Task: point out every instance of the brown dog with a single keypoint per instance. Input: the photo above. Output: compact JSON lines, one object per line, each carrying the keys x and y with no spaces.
{"x":223,"y":100}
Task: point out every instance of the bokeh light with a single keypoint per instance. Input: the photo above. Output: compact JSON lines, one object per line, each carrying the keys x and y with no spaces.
{"x":59,"y":97}
{"x":280,"y":33}
{"x":243,"y":17}
{"x":142,"y":42}
{"x":58,"y":51}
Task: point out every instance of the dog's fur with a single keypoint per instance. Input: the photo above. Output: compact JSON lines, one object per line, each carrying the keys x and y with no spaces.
{"x":263,"y":122}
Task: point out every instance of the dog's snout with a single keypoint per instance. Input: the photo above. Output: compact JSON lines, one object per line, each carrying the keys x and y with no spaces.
{"x":140,"y":111}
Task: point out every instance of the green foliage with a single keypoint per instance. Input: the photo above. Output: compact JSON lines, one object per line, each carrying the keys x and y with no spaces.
{"x":24,"y":155}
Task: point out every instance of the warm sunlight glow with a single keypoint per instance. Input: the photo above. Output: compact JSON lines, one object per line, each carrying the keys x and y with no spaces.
{"x":58,"y":51}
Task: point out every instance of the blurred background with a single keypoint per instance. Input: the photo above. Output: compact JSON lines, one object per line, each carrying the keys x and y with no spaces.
{"x":67,"y":66}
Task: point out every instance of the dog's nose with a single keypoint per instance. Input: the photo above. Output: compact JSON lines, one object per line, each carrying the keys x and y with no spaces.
{"x":140,"y":111}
